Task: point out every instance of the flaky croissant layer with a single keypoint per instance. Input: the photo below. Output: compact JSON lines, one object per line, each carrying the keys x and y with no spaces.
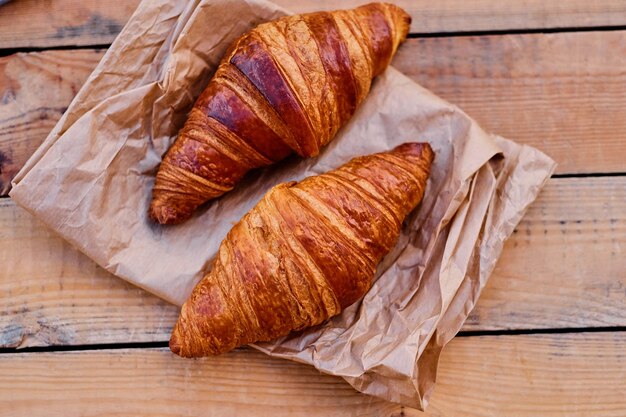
{"x":306,"y":251}
{"x":286,"y":86}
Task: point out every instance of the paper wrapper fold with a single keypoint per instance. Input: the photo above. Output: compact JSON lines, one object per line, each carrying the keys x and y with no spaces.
{"x":91,"y":181}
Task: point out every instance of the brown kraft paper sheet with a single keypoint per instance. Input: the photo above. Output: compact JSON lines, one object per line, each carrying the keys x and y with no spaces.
{"x":91,"y":182}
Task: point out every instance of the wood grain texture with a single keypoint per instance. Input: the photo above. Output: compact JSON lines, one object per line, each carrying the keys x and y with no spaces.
{"x":485,"y":15}
{"x":44,"y":23}
{"x":564,"y":267}
{"x":535,"y":375}
{"x":35,"y":90}
{"x":51,"y":294}
{"x":548,"y":375}
{"x":564,"y":93}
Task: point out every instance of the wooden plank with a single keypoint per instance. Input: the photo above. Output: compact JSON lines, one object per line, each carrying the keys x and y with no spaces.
{"x":549,"y":375}
{"x":564,"y":93}
{"x":35,"y":90}
{"x":540,"y":375}
{"x":41,"y":23}
{"x":44,"y":23}
{"x":486,"y":15}
{"x":51,"y":294}
{"x":564,"y":267}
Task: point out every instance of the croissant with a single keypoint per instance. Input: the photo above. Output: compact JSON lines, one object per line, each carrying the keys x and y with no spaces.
{"x":286,"y":86}
{"x":306,"y":251}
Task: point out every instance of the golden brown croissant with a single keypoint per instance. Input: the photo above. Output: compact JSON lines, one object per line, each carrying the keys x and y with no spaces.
{"x":306,"y":251}
{"x":286,"y":86}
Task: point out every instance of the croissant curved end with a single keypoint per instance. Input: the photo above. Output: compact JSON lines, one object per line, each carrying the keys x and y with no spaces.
{"x":175,"y":346}
{"x":165,"y":213}
{"x":415,"y":150}
{"x":401,"y":18}
{"x":178,"y":340}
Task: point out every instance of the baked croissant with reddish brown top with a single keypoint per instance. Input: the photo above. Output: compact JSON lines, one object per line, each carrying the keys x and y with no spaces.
{"x":286,"y":86}
{"x":306,"y":251}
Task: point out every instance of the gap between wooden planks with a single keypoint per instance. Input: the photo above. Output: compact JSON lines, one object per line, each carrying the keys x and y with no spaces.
{"x":564,"y":93}
{"x":547,"y":375}
{"x":564,"y":267}
{"x":39,"y":23}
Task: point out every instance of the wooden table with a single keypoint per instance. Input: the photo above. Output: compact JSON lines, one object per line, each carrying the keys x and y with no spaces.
{"x":548,"y":335}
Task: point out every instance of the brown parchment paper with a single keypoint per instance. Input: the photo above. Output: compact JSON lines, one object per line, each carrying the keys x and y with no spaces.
{"x":91,"y":182}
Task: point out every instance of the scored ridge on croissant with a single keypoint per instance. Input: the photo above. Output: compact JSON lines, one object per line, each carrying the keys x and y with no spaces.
{"x":286,"y":86}
{"x":306,"y":251}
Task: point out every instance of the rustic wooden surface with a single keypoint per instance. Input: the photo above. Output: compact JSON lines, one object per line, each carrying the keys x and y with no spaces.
{"x":564,"y":93}
{"x":570,"y":375}
{"x":46,"y":23}
{"x":35,"y":90}
{"x":579,"y":118}
{"x":65,"y":299}
{"x":562,"y":274}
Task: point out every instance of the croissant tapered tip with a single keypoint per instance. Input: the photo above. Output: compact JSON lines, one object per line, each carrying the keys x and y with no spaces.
{"x":164,"y":213}
{"x":178,"y":340}
{"x":401,"y":19}
{"x":399,"y":12}
{"x":175,"y":343}
{"x":416,"y":150}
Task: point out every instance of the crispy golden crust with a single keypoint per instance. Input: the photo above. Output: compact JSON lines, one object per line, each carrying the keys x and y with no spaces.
{"x":286,"y":86}
{"x":303,"y":253}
